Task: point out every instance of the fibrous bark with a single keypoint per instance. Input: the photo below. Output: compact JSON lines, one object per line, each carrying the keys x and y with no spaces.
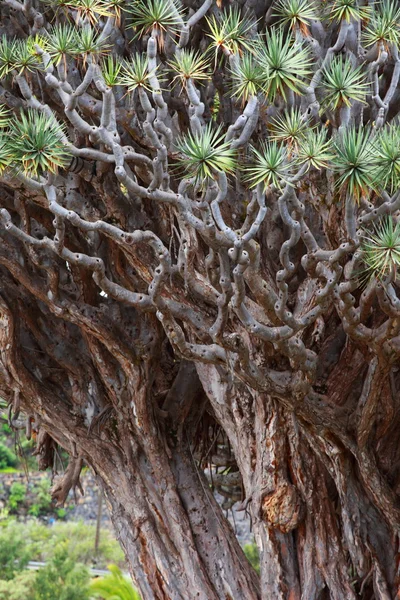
{"x":161,"y":330}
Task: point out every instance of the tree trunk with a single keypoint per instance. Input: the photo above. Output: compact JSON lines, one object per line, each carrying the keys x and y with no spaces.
{"x":324,"y":518}
{"x":312,"y":510}
{"x":180,"y":298}
{"x":177,"y":541}
{"x":175,"y":536}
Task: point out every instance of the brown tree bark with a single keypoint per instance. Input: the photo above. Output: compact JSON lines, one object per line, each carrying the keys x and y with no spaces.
{"x":183,"y":336}
{"x":177,"y":540}
{"x":316,"y":502}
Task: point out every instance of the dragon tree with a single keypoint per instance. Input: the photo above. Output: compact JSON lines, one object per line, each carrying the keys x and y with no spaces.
{"x":199,"y":242}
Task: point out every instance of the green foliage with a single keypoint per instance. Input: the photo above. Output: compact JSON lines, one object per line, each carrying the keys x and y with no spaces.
{"x":21,"y":587}
{"x":5,"y":159}
{"x":386,"y":147}
{"x":135,"y":73}
{"x":89,"y":43}
{"x":35,"y":143}
{"x":114,"y":586}
{"x":285,"y":61}
{"x":42,"y":495}
{"x":252,"y":555}
{"x":110,"y":69}
{"x":355,"y":161}
{"x":189,"y":64}
{"x":381,"y":249}
{"x":342,"y":83}
{"x":248,"y":78}
{"x":14,"y":550}
{"x":269,"y":165}
{"x":24,"y":59}
{"x":64,"y":547}
{"x":62,"y":42}
{"x":229,"y":32}
{"x":383,"y":26}
{"x":61,"y":513}
{"x":16,"y":439}
{"x":62,"y":579}
{"x":77,"y":537}
{"x":296,"y":13}
{"x":17,"y":495}
{"x":290,"y":127}
{"x":7,"y":457}
{"x":8,"y":55}
{"x":315,"y":150}
{"x":20,"y":55}
{"x":346,"y":10}
{"x":90,"y":10}
{"x":206,"y":153}
{"x":5,"y":428}
{"x":157,"y":15}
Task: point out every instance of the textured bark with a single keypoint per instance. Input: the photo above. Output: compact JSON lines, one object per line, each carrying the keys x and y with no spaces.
{"x":180,"y":339}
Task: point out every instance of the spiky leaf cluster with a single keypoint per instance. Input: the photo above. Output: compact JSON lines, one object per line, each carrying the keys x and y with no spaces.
{"x":34,"y":144}
{"x":248,"y":77}
{"x":62,"y":42}
{"x":355,"y":162}
{"x":288,"y":64}
{"x":4,"y":116}
{"x":159,"y":16}
{"x":229,"y":33}
{"x":269,"y":165}
{"x":346,"y":10}
{"x":90,"y":10}
{"x":343,"y":83}
{"x":110,"y":70}
{"x":190,"y":64}
{"x":386,"y":147}
{"x":5,"y":159}
{"x":297,"y":14}
{"x":136,"y":73}
{"x":315,"y":150}
{"x":383,"y":27}
{"x":203,"y":155}
{"x":291,"y":128}
{"x":381,"y":249}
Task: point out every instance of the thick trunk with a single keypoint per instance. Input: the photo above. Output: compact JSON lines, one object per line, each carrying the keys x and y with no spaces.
{"x":322,"y":512}
{"x":320,"y":490}
{"x":314,"y":513}
{"x":178,"y":543}
{"x":181,"y":294}
{"x":311,"y":522}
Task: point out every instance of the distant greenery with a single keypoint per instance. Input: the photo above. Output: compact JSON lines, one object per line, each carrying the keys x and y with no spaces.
{"x":24,"y":499}
{"x":114,"y":586}
{"x":17,"y":495}
{"x":62,"y":578}
{"x":78,"y":537}
{"x":252,"y":555}
{"x":15,"y":450}
{"x":42,"y":495}
{"x":67,"y":549}
{"x":7,"y":457}
{"x":16,"y":456}
{"x":14,"y":550}
{"x":21,"y":588}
